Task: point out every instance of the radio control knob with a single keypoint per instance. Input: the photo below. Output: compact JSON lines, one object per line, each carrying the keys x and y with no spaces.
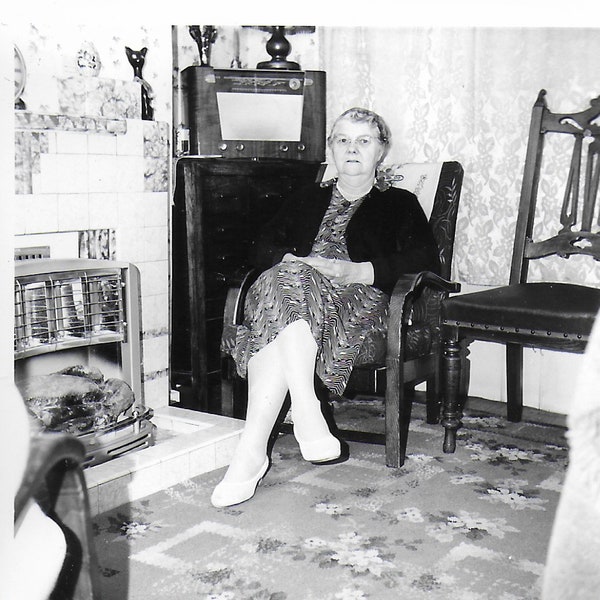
{"x":301,"y":147}
{"x":240,"y":147}
{"x":284,"y":147}
{"x":222,"y":146}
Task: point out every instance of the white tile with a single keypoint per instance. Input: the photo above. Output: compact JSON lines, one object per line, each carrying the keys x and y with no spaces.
{"x":113,"y":493}
{"x":73,"y":212}
{"x":20,"y":213}
{"x":42,"y":213}
{"x":102,"y":143}
{"x":154,"y":277}
{"x":156,"y":243}
{"x":145,"y":481}
{"x":130,"y":244}
{"x":92,"y":492}
{"x":49,"y":179}
{"x":107,"y":472}
{"x":62,"y":173}
{"x":156,"y":353}
{"x":129,"y":174}
{"x":103,"y":209}
{"x":132,"y":207}
{"x":156,"y":392}
{"x":156,"y":209}
{"x":202,"y":460}
{"x":103,"y":173}
{"x":155,"y":312}
{"x":224,"y":450}
{"x":132,"y":143}
{"x":71,"y":142}
{"x":174,"y":470}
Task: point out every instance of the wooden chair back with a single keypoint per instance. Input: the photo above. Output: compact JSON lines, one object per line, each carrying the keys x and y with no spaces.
{"x":573,"y":233}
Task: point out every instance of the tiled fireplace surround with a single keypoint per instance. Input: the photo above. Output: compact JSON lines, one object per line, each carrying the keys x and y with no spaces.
{"x":93,"y":182}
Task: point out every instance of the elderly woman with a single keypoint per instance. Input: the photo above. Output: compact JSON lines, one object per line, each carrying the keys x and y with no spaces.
{"x":339,"y":249}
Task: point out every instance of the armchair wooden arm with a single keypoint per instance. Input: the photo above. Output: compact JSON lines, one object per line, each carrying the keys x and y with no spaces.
{"x":413,"y":346}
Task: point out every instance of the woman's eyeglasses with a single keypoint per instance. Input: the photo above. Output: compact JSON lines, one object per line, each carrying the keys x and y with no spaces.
{"x":343,"y":141}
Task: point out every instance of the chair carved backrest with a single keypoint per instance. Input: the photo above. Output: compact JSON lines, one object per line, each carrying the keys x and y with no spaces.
{"x":579,"y":204}
{"x":437,"y":186}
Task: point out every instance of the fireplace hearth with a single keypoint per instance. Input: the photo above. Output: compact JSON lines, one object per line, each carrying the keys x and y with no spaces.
{"x":78,"y":353}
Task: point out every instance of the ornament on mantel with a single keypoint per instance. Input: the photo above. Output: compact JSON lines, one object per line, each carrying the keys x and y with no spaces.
{"x":88,"y":60}
{"x":136,"y":59}
{"x":204,"y":37}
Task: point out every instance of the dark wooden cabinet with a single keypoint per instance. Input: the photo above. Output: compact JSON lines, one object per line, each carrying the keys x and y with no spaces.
{"x":219,"y":207}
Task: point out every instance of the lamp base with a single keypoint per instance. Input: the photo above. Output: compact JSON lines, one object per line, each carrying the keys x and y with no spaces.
{"x":290,"y":65}
{"x":278,"y":48}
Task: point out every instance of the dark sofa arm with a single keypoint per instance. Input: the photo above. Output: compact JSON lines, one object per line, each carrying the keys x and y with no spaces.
{"x":47,"y":452}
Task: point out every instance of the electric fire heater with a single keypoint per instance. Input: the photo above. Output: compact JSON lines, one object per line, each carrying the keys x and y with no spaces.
{"x":78,"y":352}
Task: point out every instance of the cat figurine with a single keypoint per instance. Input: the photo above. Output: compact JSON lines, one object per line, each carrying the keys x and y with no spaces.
{"x":136,"y":59}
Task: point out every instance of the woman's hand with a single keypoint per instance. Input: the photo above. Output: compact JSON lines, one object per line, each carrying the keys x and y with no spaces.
{"x":340,"y":272}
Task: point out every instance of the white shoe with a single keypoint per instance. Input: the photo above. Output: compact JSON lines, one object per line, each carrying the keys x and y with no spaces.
{"x":230,"y":493}
{"x":322,"y":450}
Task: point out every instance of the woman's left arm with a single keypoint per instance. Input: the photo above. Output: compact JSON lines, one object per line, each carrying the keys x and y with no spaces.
{"x":394,"y":235}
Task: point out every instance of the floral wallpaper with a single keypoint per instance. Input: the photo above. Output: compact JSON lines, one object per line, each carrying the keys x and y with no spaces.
{"x":466,"y":94}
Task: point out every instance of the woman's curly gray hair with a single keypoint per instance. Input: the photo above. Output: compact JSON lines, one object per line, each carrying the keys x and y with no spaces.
{"x":384,"y":135}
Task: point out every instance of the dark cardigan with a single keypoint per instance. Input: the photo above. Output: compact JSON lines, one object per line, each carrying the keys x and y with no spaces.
{"x":389,"y":229}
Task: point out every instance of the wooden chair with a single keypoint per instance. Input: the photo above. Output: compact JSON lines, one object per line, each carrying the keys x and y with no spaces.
{"x":411,"y":352}
{"x":54,"y":479}
{"x":531,"y":312}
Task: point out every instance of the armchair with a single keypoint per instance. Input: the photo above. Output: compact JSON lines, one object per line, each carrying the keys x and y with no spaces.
{"x":536,"y":311}
{"x":54,"y":481}
{"x":411,"y":352}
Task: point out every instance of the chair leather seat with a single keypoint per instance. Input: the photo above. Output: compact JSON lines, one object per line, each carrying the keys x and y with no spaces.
{"x":555,"y":307}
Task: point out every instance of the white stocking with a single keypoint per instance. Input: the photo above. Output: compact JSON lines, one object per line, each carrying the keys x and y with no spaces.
{"x":298,"y":352}
{"x":267,"y":389}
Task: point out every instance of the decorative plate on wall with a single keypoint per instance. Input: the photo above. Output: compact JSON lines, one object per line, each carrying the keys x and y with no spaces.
{"x":20,"y":78}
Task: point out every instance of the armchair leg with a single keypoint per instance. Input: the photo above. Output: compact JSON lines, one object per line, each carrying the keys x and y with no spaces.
{"x":514,"y":382}
{"x":451,"y":416}
{"x":234,"y":391}
{"x":433,"y":398}
{"x":398,"y":408}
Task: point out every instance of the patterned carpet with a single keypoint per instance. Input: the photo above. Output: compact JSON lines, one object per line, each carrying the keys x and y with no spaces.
{"x":471,"y":525}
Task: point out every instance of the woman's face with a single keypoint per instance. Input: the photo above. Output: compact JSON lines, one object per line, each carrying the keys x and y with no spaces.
{"x":356,"y":148}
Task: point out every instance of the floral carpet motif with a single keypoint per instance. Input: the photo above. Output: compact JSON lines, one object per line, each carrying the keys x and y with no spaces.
{"x":471,"y":525}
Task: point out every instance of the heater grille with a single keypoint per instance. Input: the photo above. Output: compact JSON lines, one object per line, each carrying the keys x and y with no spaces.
{"x":66,"y":309}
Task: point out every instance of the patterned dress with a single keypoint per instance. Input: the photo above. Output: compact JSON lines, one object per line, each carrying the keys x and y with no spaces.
{"x":339,"y":315}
